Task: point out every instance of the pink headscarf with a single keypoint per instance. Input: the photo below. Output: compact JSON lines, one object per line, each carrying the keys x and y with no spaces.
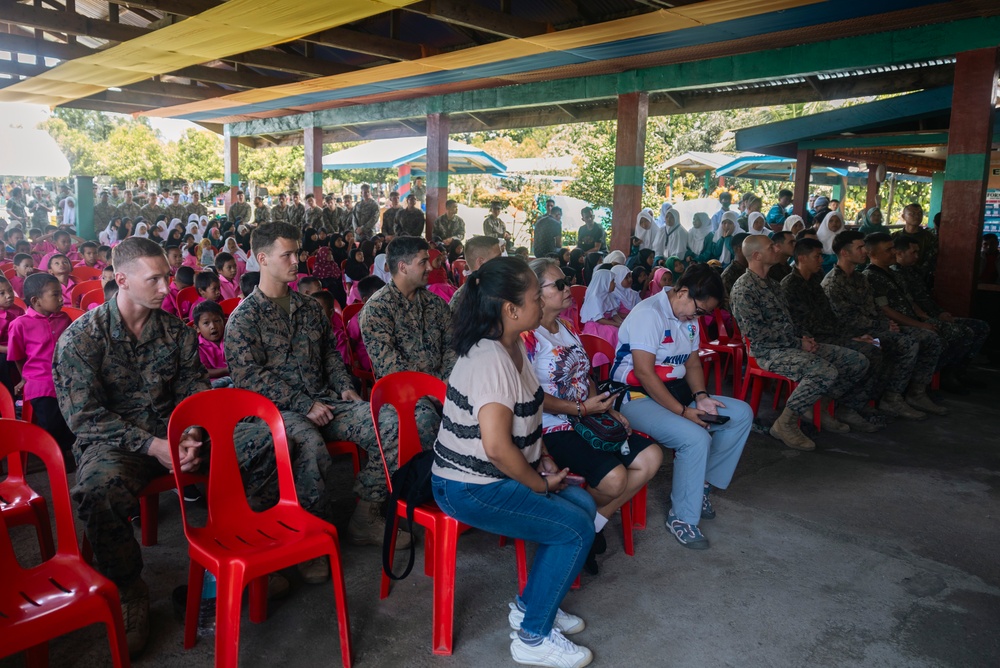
{"x":654,"y":283}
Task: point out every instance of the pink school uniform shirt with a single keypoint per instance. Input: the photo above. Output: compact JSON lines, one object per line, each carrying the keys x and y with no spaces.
{"x":212,"y":354}
{"x":67,"y":291}
{"x":17,"y":283}
{"x":229,"y":289}
{"x":170,"y":301}
{"x":97,"y":264}
{"x":7,"y":317}
{"x":358,"y":344}
{"x":32,"y":339}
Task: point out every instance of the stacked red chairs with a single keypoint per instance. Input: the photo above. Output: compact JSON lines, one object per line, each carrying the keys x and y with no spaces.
{"x":729,"y":345}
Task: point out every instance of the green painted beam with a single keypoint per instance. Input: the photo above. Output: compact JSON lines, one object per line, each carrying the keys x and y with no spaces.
{"x":966,"y":167}
{"x":870,"y":141}
{"x":908,"y":45}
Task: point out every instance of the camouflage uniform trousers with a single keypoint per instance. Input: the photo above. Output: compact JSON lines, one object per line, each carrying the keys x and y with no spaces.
{"x":832,"y":371}
{"x":875,"y":379}
{"x":931,"y":349}
{"x":965,"y":338}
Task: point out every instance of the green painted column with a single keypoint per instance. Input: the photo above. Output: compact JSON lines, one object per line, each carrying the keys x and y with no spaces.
{"x":85,"y":207}
{"x":840,"y":190}
{"x":313,"y":140}
{"x":937,"y":192}
{"x":231,"y":160}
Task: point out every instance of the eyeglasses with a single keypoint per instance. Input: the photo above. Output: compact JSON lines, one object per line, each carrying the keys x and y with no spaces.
{"x":560,"y":285}
{"x":699,"y":311}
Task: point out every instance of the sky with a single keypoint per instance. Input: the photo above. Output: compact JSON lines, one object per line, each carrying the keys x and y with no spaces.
{"x":30,"y":115}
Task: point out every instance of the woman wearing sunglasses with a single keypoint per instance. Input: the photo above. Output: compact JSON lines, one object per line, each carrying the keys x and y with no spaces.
{"x":563,"y":370}
{"x":658,"y":350}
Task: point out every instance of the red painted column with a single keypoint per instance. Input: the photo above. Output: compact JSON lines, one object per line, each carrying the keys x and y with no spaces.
{"x":871,"y":196}
{"x":964,"y":197}
{"x":630,"y":149}
{"x":313,"y":140}
{"x":437,"y":167}
{"x":803,"y":170}
{"x":231,"y":161}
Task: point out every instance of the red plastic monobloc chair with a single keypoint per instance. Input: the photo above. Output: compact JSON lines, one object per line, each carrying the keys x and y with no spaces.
{"x":73,"y":313}
{"x":730,"y":345}
{"x":229,"y":305}
{"x":19,"y":503}
{"x":85,"y":273}
{"x":458,"y":268}
{"x":82,"y":288}
{"x":62,"y":594}
{"x":92,"y":297}
{"x":402,"y":390}
{"x":185,"y":300}
{"x":754,"y":384}
{"x":240,"y":546}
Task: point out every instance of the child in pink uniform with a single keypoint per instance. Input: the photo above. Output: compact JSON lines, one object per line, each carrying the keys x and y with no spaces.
{"x":208,"y":287}
{"x":327,"y":301}
{"x":31,"y":344}
{"x":366,"y":288}
{"x":208,"y":319}
{"x":24,"y":266}
{"x":88,"y":251}
{"x":184,"y":278}
{"x":8,"y":312}
{"x":62,"y":268}
{"x":225,"y":264}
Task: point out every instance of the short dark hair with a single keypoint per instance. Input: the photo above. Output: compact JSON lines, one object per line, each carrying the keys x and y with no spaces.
{"x":806,"y":246}
{"x":804,"y":233}
{"x":368,"y":286}
{"x":846,"y":238}
{"x":780,"y":235}
{"x":404,"y":249}
{"x":989,"y":236}
{"x":324,"y":297}
{"x":108,"y":267}
{"x":702,"y":283}
{"x":263,"y":238}
{"x":21,"y":257}
{"x":201,"y":308}
{"x":4,"y":281}
{"x":450,"y":202}
{"x":248,"y":282}
{"x":222,"y":258}
{"x":871,"y":241}
{"x":738,"y":240}
{"x":59,"y":234}
{"x":204,"y":280}
{"x":110,"y":290}
{"x":502,"y":279}
{"x":132,"y":249}
{"x":555,"y":209}
{"x":309,"y":280}
{"x":903,"y":242}
{"x":35,"y":284}
{"x":85,"y":245}
{"x":184,"y":275}
{"x":784,"y":192}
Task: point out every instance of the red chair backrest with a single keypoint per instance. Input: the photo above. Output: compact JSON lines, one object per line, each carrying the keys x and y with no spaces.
{"x":218,"y":412}
{"x":402,"y":390}
{"x":92,"y":297}
{"x":82,"y":288}
{"x":73,"y":313}
{"x":350,"y":311}
{"x":311,"y":262}
{"x":229,"y":305}
{"x":187,"y":296}
{"x":20,"y":302}
{"x":6,"y":404}
{"x":85,"y":273}
{"x":18,"y":438}
{"x":458,"y":268}
{"x":579,"y":293}
{"x":9,"y":273}
{"x":596,"y":346}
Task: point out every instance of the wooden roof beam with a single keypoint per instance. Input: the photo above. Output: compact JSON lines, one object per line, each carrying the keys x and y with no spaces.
{"x":469,"y":15}
{"x":99,"y":105}
{"x":372,"y":45}
{"x":178,"y":7}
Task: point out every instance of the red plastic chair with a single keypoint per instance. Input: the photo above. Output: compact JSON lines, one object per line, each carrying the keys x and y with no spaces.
{"x":754,"y":383}
{"x":62,"y":594}
{"x":85,"y":273}
{"x":73,"y":313}
{"x":82,"y":288}
{"x":458,"y":268}
{"x":19,"y":503}
{"x":729,"y":345}
{"x":579,"y":293}
{"x":185,"y":298}
{"x":601,"y":354}
{"x":20,"y":302}
{"x":9,"y":273}
{"x":240,"y":546}
{"x":311,"y":263}
{"x":402,"y":390}
{"x":92,"y":297}
{"x":229,"y":305}
{"x":350,"y":311}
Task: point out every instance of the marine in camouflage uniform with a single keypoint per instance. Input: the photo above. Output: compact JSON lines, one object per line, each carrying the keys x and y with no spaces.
{"x":261,"y":215}
{"x":292,"y":359}
{"x":927,"y":260}
{"x":152,"y":211}
{"x":179,"y":212}
{"x":365,"y":215}
{"x":240,"y":211}
{"x":195,"y":208}
{"x":389,"y":218}
{"x":403,"y":334}
{"x":297,"y":213}
{"x":449,"y":227}
{"x":314,"y":218}
{"x":103,"y":213}
{"x":493,"y":226}
{"x":832,"y":371}
{"x":332,"y":217}
{"x":116,"y":394}
{"x":129,"y":210}
{"x":281,"y":213}
{"x":731,"y":274}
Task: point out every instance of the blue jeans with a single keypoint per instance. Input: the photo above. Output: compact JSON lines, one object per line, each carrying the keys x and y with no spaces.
{"x":561,"y":523}
{"x":700,"y":455}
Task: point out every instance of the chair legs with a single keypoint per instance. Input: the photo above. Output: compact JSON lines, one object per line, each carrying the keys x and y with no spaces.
{"x":340,"y":596}
{"x":639,"y":508}
{"x":627,"y":528}
{"x":196,"y":579}
{"x":446,"y":537}
{"x":43,"y":528}
{"x":149,"y":512}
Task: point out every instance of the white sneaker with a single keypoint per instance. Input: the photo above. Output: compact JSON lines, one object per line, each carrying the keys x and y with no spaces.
{"x":566,"y":623}
{"x":554,"y":651}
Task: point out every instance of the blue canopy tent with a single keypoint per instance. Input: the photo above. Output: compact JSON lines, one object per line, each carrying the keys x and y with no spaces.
{"x":412,"y":151}
{"x":777,"y":168}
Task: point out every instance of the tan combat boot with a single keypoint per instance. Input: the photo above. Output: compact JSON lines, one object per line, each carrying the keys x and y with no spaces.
{"x":893,"y":404}
{"x":828,"y":422}
{"x":135,"y":615}
{"x":917,"y":397}
{"x":855,"y":421}
{"x":315,"y":571}
{"x":786,"y":429}
{"x":367,"y":526}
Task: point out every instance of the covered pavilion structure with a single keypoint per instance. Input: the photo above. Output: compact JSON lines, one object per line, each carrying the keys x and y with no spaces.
{"x":362,"y":70}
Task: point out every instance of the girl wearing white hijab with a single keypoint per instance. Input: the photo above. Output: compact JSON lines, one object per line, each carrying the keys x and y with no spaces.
{"x":615,"y":257}
{"x":69,"y":211}
{"x":832,"y":224}
{"x":380,"y":268}
{"x":701,"y":228}
{"x":109,"y":237}
{"x":175,"y":223}
{"x":675,"y":237}
{"x":757,"y":225}
{"x":647,"y":234}
{"x":722,"y":239}
{"x":664,"y":208}
{"x":627,"y":297}
{"x":234,"y":249}
{"x":793,"y":224}
{"x":202,"y":224}
{"x":141,"y":231}
{"x":599,"y":313}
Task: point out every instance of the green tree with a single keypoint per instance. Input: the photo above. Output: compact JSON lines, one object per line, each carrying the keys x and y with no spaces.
{"x":279,"y":167}
{"x":197,"y":155}
{"x":96,"y":125}
{"x":82,"y":152}
{"x":596,"y":182}
{"x":134,"y":150}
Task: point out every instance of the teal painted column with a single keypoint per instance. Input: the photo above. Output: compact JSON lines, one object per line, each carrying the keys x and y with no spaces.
{"x":937,"y":192}
{"x":231,"y":161}
{"x":840,"y":190}
{"x":313,"y":140}
{"x":85,"y":207}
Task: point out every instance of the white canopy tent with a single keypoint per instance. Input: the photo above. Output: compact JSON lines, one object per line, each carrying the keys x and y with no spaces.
{"x":31,"y":153}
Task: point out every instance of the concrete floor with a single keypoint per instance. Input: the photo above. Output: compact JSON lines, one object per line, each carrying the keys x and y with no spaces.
{"x":874,"y":550}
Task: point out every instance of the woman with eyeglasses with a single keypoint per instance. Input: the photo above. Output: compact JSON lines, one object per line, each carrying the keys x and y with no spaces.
{"x":491,"y":468}
{"x":658,"y":354}
{"x":563,"y":370}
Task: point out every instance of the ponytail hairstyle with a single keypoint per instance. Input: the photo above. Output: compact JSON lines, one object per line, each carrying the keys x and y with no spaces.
{"x":479,"y":314}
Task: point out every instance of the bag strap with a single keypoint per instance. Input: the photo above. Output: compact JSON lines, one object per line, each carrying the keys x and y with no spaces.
{"x":412,"y":495}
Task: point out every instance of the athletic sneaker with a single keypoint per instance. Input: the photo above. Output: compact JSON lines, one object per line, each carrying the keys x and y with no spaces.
{"x":564,"y":622}
{"x":686,"y":534}
{"x":707,"y":511}
{"x":554,"y":650}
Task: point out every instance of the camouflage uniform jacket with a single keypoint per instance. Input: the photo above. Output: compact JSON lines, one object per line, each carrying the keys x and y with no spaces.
{"x":297,"y":215}
{"x":365,"y":218}
{"x":115,"y":389}
{"x":40,"y":209}
{"x":178,"y":212}
{"x":730,"y":275}
{"x":291,"y":358}
{"x":889,"y":291}
{"x":494,"y":227}
{"x":808,"y":305}
{"x":759,"y":307}
{"x":152,"y":211}
{"x":132,"y":211}
{"x":779,"y":271}
{"x":389,"y":218}
{"x":18,"y":211}
{"x":240,"y":210}
{"x":314,"y":218}
{"x":198,"y":208}
{"x":261,"y":215}
{"x":332,"y":219}
{"x":446,"y":228}
{"x":912,"y":281}
{"x":103,"y":213}
{"x":928,"y":242}
{"x":411,"y":223}
{"x":853,"y":302}
{"x":280,"y":214}
{"x":405,"y":335}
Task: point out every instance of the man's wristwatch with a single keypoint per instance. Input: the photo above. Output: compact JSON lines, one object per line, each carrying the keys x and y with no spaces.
{"x":707,"y":395}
